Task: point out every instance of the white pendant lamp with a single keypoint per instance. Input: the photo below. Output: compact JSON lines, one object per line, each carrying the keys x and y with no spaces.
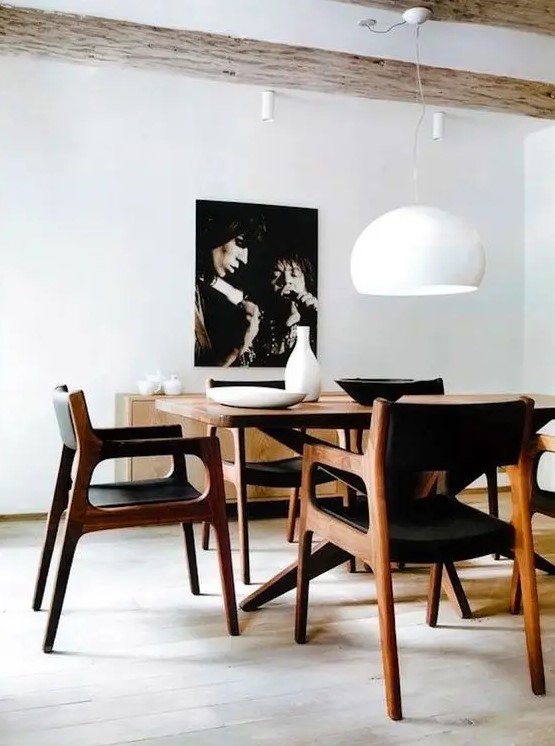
{"x":417,"y":250}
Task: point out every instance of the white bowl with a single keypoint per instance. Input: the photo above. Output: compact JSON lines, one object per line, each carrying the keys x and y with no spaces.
{"x":255,"y":397}
{"x":147,"y":388}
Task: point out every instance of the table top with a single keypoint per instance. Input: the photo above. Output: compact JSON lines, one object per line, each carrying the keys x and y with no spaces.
{"x":332,"y":410}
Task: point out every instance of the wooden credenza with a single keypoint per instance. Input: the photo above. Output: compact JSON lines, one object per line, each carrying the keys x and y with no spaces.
{"x":135,"y":409}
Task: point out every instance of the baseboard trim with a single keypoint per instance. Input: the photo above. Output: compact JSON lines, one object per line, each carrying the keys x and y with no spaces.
{"x":474,"y":490}
{"x":22,"y":517}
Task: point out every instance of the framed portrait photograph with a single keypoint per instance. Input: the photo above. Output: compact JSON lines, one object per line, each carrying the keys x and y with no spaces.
{"x":256,"y":281}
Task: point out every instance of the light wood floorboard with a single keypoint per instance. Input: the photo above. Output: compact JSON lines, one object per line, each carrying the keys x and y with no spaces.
{"x":140,"y":661}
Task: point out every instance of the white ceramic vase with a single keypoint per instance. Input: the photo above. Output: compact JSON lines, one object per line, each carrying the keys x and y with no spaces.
{"x":172,"y":386}
{"x":302,"y":372}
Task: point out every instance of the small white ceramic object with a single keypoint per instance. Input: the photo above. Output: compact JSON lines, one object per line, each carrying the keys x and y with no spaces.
{"x":146,"y":387}
{"x":172,"y":386}
{"x":255,"y":397}
{"x":302,"y":372}
{"x":157,"y":379}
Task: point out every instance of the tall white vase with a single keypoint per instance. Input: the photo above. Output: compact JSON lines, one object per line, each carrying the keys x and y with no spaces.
{"x":302,"y":372}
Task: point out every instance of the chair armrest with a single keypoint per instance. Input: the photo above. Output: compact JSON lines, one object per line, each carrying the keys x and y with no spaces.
{"x":140,"y":432}
{"x":156,"y":447}
{"x":336,"y":461}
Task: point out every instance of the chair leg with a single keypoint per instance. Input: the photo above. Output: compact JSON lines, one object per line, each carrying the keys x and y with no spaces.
{"x":388,"y":638}
{"x":434,"y":594}
{"x":225,"y":562}
{"x":516,"y":592}
{"x":59,"y":504}
{"x":189,"y":533}
{"x":493,"y":497}
{"x":205,"y":535}
{"x":303,"y":577}
{"x":243,"y":524}
{"x":294,"y":505}
{"x":51,"y":532}
{"x":72,"y":534}
{"x":455,"y":592}
{"x":523,"y":588}
{"x":521,"y":479}
{"x":531,"y":622}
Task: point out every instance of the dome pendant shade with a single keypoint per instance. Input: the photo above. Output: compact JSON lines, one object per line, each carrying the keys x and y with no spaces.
{"x":417,"y":250}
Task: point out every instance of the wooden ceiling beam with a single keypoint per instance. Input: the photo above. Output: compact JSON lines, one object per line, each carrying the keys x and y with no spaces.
{"x":537,"y":16}
{"x":94,"y":40}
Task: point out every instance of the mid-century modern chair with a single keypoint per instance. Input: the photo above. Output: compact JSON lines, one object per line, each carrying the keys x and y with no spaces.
{"x":392,"y":389}
{"x":96,"y":507}
{"x":277,"y":473}
{"x":404,"y":520}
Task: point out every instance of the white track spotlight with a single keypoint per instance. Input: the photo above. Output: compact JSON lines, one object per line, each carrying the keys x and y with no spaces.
{"x":438,"y":125}
{"x":268,"y":106}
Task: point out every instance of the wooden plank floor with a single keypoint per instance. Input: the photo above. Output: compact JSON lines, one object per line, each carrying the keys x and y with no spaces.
{"x":140,"y":661}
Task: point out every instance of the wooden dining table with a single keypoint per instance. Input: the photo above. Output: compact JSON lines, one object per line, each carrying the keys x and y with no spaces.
{"x":333,"y":411}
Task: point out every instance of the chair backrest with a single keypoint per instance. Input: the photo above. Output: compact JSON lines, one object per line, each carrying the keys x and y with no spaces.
{"x":439,"y":437}
{"x":213,"y":383}
{"x":63,"y":417}
{"x":425,"y":437}
{"x":71,"y":414}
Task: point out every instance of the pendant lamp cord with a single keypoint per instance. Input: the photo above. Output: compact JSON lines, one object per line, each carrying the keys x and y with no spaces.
{"x":369,"y":23}
{"x":420,"y":119}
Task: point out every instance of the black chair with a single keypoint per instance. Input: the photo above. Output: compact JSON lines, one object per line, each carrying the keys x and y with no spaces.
{"x":403,"y":520}
{"x":365,"y":390}
{"x":277,"y":473}
{"x":96,"y":507}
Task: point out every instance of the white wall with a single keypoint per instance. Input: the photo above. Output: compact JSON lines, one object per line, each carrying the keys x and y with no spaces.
{"x":100,"y":169}
{"x":539,"y":338}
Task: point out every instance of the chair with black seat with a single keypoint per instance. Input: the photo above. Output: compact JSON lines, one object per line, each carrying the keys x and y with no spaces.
{"x":276,"y":473}
{"x":404,"y":520}
{"x":365,"y":390}
{"x":96,"y":507}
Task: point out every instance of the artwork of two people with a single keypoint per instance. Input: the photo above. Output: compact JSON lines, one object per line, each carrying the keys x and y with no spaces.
{"x":256,"y":281}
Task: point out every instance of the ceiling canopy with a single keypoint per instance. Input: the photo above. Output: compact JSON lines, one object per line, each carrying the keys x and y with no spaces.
{"x":537,"y":16}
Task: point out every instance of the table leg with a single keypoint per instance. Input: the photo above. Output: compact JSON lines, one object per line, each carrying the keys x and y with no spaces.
{"x":541,"y":563}
{"x":324,"y":557}
{"x":451,"y":584}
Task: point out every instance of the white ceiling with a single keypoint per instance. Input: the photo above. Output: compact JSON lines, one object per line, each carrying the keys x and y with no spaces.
{"x":330,"y":25}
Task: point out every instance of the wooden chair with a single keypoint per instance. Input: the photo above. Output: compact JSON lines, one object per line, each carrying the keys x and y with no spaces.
{"x":96,"y":507}
{"x":404,"y":521}
{"x":277,"y":473}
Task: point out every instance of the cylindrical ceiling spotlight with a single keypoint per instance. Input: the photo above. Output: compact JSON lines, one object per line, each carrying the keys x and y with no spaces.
{"x":438,"y":125}
{"x":268,"y":106}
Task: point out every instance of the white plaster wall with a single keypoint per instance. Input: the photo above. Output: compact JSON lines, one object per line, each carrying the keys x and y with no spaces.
{"x":99,"y":172}
{"x":539,"y":338}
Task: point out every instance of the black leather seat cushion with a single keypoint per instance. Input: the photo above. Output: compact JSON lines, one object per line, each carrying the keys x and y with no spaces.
{"x":284,"y":472}
{"x":543,"y":501}
{"x":435,"y":529}
{"x":140,"y":492}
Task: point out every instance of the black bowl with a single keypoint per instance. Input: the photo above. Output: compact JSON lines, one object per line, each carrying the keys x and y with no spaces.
{"x":365,"y":390}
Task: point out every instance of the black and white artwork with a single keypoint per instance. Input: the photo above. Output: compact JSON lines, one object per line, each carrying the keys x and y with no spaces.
{"x":256,"y":281}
